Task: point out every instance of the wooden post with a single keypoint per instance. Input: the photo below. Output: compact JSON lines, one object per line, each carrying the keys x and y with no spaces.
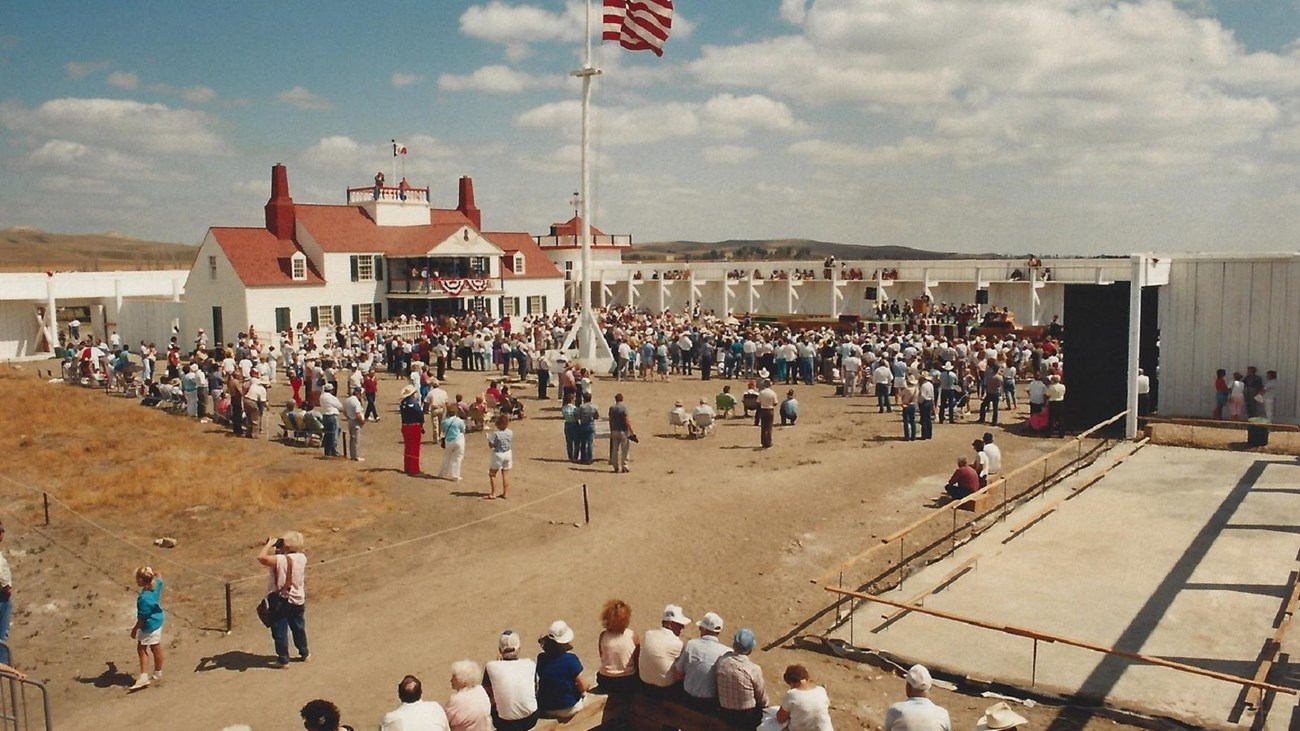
{"x":586,"y":505}
{"x":45,"y":499}
{"x":230,"y":619}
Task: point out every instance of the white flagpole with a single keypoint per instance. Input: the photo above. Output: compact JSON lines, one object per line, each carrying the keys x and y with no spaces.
{"x":590,"y":343}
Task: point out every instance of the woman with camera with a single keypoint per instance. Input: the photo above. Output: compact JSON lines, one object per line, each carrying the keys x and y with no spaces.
{"x":286,"y":593}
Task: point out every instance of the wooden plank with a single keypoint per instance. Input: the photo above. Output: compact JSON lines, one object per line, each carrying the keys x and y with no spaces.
{"x":1253,"y":695}
{"x":1063,"y":640}
{"x":1217,"y":423}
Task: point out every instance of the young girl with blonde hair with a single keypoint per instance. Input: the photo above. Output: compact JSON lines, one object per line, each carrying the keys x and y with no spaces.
{"x":147,"y":631}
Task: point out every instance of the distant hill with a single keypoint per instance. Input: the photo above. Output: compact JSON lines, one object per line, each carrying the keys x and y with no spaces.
{"x":24,"y":249}
{"x":766,"y":249}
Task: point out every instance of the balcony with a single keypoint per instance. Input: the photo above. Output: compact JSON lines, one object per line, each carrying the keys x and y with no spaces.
{"x":444,"y":287}
{"x":621,"y":241}
{"x":388,"y":193}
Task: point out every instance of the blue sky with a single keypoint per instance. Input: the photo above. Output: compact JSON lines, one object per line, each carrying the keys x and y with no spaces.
{"x":1056,"y":126}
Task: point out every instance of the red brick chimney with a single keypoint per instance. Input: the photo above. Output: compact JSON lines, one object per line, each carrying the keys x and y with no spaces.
{"x":279,"y":209}
{"x":466,"y":204}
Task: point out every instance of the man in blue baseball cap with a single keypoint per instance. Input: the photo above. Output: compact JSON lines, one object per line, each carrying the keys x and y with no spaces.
{"x":742,"y":694}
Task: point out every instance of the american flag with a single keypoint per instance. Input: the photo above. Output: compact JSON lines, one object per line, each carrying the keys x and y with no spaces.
{"x":638,"y":25}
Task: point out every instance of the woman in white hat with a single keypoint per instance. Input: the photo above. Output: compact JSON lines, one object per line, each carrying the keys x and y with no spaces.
{"x":412,"y":428}
{"x":560,"y":686}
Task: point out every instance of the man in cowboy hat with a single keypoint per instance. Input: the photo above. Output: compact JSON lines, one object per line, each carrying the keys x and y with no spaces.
{"x":948,"y":383}
{"x":918,"y":712}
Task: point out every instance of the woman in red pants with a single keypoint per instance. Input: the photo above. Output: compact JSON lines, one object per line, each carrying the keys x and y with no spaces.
{"x":412,"y":428}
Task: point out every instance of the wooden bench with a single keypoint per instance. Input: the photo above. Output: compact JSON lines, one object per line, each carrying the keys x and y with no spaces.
{"x":591,"y":716}
{"x":979,"y":503}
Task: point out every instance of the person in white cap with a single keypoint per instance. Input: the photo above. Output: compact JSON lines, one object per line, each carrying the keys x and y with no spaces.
{"x":511,"y":683}
{"x":330,"y":408}
{"x":918,"y":712}
{"x":697,"y":668}
{"x":560,"y":685}
{"x":660,"y":648}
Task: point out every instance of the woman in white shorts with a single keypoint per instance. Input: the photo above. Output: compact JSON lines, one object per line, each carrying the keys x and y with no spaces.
{"x":147,"y":631}
{"x":500,"y":458}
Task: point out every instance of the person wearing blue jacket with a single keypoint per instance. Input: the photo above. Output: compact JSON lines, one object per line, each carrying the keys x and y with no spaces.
{"x":147,"y":632}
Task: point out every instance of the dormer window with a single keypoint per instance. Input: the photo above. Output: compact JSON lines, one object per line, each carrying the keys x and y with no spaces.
{"x":519,"y":263}
{"x":298,"y":266}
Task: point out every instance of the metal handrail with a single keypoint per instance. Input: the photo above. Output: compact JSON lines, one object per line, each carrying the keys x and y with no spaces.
{"x":16,"y":711}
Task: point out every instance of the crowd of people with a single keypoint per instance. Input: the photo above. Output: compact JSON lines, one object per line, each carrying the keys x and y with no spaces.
{"x":1248,"y":396}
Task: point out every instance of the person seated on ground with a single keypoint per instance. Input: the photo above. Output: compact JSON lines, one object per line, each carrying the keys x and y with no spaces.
{"x":964,"y":481}
{"x":461,"y":407}
{"x":725,"y":403}
{"x":560,"y":685}
{"x":702,"y":417}
{"x":749,"y":399}
{"x":493,"y":393}
{"x":789,"y":409}
{"x":660,"y":648}
{"x":477,"y":414}
{"x":414,"y":713}
{"x":321,"y":715}
{"x":918,"y":711}
{"x":742,"y":693}
{"x":469,"y":708}
{"x":677,"y":416}
{"x":994,"y":454}
{"x":618,"y":645}
{"x":511,"y":405}
{"x":511,"y":684}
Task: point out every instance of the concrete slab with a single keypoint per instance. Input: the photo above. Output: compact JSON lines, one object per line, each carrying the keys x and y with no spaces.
{"x":1177,"y":553}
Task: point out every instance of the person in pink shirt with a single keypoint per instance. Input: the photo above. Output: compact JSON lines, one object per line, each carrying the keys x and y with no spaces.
{"x":469,"y":708}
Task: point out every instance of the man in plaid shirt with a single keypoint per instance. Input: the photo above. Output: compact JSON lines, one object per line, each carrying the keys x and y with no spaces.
{"x":742,"y":694}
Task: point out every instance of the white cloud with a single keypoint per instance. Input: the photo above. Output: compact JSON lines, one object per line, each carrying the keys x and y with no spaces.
{"x":734,"y":116}
{"x":198,"y":94}
{"x":338,"y":150}
{"x":794,"y":11}
{"x":517,"y":27}
{"x":496,"y":79}
{"x":78,"y":70}
{"x":303,"y":99}
{"x":124,"y":79}
{"x":1142,"y":83}
{"x":400,"y":79}
{"x":729,"y":154}
{"x":122,"y":124}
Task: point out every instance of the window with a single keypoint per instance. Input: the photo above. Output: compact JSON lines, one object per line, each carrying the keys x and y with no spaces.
{"x":282,"y":320}
{"x":509,"y":306}
{"x":299,"y":266}
{"x":324,"y":316}
{"x":366,"y":268}
{"x":479,"y":266}
{"x":363,"y":313}
{"x":568,"y":270}
{"x":212,"y":267}
{"x":537,"y":305}
{"x":519,"y":263}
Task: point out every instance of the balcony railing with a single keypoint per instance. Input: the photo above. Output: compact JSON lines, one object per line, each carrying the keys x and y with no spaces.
{"x":388,"y":193}
{"x":440,"y":287}
{"x":552,"y":242}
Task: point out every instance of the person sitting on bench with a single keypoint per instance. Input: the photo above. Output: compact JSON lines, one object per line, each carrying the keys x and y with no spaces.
{"x":964,"y":481}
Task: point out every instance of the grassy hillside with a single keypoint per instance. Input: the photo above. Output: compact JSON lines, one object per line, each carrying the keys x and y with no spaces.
{"x":765,"y":249}
{"x":32,"y":250}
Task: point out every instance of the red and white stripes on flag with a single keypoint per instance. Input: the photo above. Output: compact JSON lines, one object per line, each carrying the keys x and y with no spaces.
{"x":398,"y":149}
{"x":638,"y":25}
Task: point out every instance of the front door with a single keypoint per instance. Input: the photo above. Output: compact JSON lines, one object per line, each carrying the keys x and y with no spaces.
{"x":218,"y":332}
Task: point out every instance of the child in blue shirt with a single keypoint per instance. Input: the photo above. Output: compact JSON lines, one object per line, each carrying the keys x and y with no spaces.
{"x":147,"y":631}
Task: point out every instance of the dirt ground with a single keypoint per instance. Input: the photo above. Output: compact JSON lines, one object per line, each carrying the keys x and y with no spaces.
{"x":411,"y":574}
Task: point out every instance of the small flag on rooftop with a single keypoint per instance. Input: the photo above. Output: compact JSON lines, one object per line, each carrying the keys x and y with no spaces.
{"x":398,"y":149}
{"x":638,"y":25}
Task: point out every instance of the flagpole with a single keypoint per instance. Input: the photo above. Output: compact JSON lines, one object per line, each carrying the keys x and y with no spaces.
{"x":586,"y":330}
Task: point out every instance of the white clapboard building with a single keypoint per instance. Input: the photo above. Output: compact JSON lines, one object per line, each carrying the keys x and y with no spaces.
{"x":385,"y":252}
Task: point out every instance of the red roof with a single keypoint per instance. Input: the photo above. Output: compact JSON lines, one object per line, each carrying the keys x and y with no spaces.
{"x":573,"y":227}
{"x":259,"y":258}
{"x":348,"y":229}
{"x":537,"y":265}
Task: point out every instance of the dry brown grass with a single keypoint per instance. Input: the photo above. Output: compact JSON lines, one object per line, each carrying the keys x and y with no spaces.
{"x":94,"y":452}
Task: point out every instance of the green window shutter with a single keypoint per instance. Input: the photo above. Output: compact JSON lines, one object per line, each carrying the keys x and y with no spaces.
{"x":356,"y":313}
{"x":379,"y":268}
{"x":544,"y":310}
{"x":379,"y":312}
{"x":338,"y":315}
{"x":315,"y":317}
{"x":501,"y":307}
{"x":353,"y":261}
